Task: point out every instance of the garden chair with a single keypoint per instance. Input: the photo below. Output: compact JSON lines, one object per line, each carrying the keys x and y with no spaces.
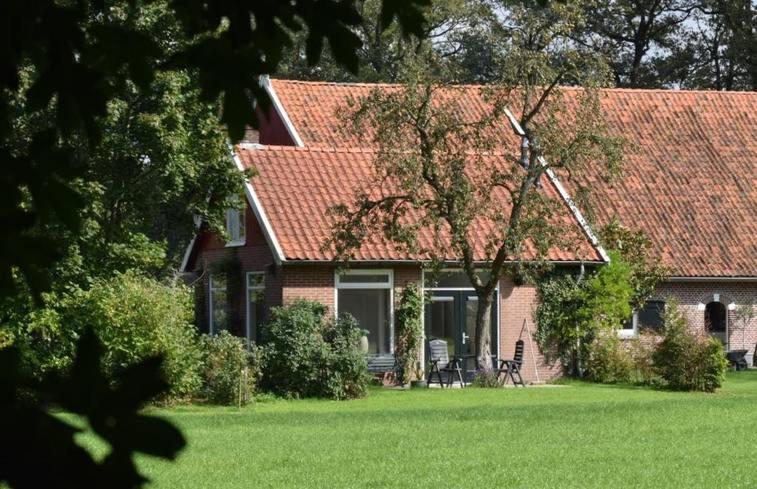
{"x":511,"y":368}
{"x":441,"y":363}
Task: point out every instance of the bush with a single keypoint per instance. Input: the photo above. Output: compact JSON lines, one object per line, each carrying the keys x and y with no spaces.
{"x":642,"y":350}
{"x":409,"y":330}
{"x":486,"y":379}
{"x":230,"y":371}
{"x":688,"y":361}
{"x":608,"y":361}
{"x":136,"y":318}
{"x":306,"y":355}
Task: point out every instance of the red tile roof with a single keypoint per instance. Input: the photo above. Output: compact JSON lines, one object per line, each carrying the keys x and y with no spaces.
{"x":689,"y":182}
{"x":297,"y":186}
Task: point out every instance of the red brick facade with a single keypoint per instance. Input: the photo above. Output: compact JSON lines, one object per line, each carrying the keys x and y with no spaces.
{"x":692,"y":296}
{"x":284,"y":284}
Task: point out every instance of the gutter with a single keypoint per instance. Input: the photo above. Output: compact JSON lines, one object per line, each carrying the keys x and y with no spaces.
{"x":714,"y":278}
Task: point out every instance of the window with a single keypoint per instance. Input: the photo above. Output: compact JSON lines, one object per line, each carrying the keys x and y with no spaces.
{"x":367,"y":295}
{"x":235,"y":226}
{"x":218,"y":303}
{"x":255,"y":304}
{"x":649,"y":317}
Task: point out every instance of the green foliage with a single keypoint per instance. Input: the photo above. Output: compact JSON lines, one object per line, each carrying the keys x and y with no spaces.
{"x":686,"y":360}
{"x":558,"y":329}
{"x":306,"y":355}
{"x":409,"y":320}
{"x":230,"y":371}
{"x":607,"y":296}
{"x":137,"y":318}
{"x":608,"y":360}
{"x":109,"y":405}
{"x":636,"y":250}
{"x":66,"y":62}
{"x":572,"y":311}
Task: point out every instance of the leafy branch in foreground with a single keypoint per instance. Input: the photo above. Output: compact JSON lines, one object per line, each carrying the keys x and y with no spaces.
{"x":71,"y":59}
{"x":39,"y":443}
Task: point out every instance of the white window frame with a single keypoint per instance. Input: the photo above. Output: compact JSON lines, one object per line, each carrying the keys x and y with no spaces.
{"x":634,"y":331}
{"x":248,"y":289}
{"x":210,"y":303}
{"x":389,"y":285}
{"x":240,"y":225}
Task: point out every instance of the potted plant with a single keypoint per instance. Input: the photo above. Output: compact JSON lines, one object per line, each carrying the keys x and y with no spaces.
{"x":420,"y":379}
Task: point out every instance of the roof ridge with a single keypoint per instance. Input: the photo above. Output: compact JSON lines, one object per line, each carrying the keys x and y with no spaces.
{"x":565,"y":87}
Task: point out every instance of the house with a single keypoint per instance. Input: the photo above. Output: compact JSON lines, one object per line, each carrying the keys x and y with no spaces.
{"x":690,"y":185}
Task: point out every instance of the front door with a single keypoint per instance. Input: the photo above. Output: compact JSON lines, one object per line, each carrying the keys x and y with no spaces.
{"x":451,"y":316}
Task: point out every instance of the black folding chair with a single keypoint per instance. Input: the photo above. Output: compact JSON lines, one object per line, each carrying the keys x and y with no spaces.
{"x":441,"y":363}
{"x":511,"y":368}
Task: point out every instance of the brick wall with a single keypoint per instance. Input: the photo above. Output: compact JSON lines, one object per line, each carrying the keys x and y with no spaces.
{"x":690,"y":295}
{"x":253,"y":256}
{"x":517,"y":305}
{"x":312,"y":282}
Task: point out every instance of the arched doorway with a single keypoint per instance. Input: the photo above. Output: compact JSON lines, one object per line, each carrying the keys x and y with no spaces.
{"x":716,"y":321}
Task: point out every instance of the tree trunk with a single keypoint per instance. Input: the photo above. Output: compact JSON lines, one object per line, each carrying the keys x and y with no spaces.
{"x":483,"y":331}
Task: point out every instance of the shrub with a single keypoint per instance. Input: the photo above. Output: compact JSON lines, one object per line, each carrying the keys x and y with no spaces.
{"x":136,"y":317}
{"x":608,"y":361}
{"x":486,"y":378}
{"x":306,"y":355}
{"x":685,"y":360}
{"x":346,"y":370}
{"x":409,"y":330}
{"x":642,"y":350}
{"x":230,"y":371}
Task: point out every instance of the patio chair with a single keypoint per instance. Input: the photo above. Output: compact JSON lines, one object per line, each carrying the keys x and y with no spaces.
{"x":511,"y":368}
{"x":441,"y":363}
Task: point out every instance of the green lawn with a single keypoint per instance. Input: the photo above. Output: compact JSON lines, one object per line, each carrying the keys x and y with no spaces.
{"x":575,"y":436}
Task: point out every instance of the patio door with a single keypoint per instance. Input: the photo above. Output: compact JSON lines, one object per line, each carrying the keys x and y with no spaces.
{"x":451,"y":316}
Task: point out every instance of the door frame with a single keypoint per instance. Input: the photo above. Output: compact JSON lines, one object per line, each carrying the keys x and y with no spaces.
{"x":424,"y":289}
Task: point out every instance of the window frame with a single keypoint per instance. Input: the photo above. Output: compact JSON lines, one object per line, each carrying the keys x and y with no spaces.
{"x":211,"y":331}
{"x":634,"y":332}
{"x":241,"y":214}
{"x":248,"y":289}
{"x":389,"y":285}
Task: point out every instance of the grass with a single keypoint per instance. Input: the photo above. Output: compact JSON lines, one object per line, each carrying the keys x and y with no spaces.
{"x":580,"y":435}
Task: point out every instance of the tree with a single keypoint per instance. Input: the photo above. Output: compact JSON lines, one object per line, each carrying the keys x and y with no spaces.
{"x":67,"y":71}
{"x":385,"y":54}
{"x":720,"y":50}
{"x":573,"y":311}
{"x":635,"y":35}
{"x":78,"y":55}
{"x":434,"y":165}
{"x":647,"y":270}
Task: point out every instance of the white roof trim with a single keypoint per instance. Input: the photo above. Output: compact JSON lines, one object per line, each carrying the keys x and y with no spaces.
{"x":188,"y":253}
{"x":257,"y":209}
{"x":265,"y":82}
{"x":563,"y":193}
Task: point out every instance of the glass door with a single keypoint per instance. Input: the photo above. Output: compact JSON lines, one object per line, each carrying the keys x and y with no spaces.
{"x":451,"y":316}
